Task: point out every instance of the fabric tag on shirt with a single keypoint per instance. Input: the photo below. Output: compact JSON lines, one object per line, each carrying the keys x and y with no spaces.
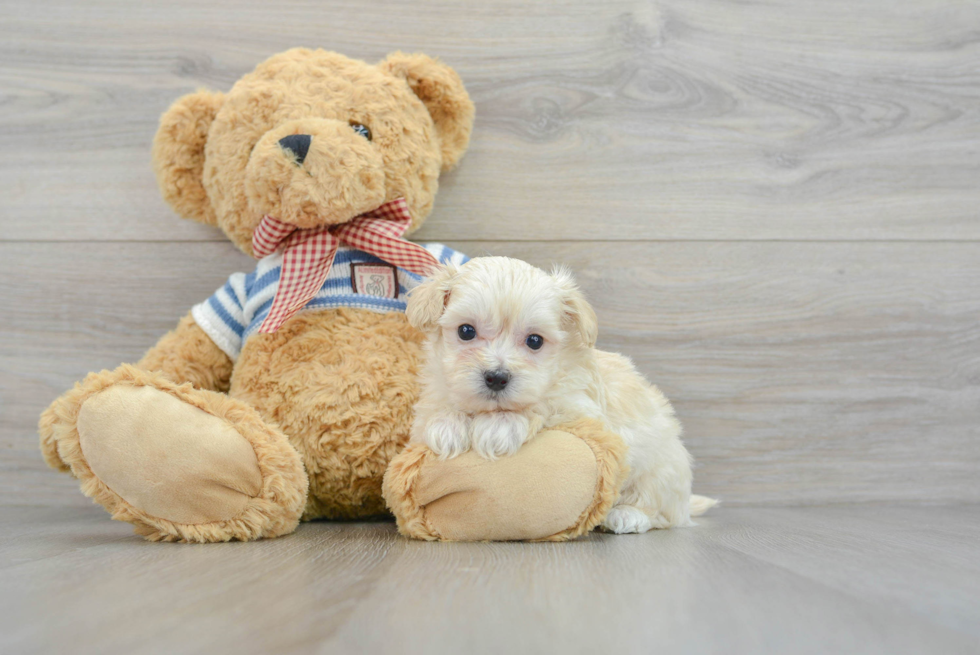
{"x":379,"y":280}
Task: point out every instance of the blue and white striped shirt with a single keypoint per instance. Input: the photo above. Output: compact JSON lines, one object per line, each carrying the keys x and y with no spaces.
{"x":356,"y":279}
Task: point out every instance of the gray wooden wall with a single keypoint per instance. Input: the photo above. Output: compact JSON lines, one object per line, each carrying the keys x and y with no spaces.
{"x":774,"y":206}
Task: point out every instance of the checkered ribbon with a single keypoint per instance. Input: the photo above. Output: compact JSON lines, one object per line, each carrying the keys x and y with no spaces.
{"x":309,"y":253}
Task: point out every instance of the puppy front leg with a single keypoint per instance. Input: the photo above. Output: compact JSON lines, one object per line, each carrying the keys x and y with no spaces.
{"x":445,"y":433}
{"x":498,"y":434}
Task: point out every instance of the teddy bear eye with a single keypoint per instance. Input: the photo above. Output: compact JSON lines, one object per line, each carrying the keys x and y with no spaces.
{"x":466,"y":332}
{"x":362,"y":130}
{"x":534,"y":341}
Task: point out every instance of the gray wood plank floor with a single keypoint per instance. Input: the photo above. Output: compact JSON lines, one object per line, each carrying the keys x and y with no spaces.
{"x":873,"y":579}
{"x":774,"y":207}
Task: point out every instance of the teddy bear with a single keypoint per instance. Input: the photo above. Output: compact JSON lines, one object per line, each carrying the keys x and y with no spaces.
{"x":287,"y":394}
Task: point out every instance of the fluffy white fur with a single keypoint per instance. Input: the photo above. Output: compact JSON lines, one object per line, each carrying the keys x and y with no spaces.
{"x":506,"y":300}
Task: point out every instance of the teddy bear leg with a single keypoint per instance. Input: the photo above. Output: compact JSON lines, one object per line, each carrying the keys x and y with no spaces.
{"x":558,"y":486}
{"x":179,"y":463}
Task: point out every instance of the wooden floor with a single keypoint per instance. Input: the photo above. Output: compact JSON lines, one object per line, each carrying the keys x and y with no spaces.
{"x":870,"y":579}
{"x":774,"y":206}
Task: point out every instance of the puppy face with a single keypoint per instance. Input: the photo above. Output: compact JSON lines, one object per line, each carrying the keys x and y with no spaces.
{"x":498,"y":329}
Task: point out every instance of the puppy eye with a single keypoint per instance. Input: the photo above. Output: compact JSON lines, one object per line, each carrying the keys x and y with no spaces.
{"x":362,"y":130}
{"x":534,"y":341}
{"x":466,"y":332}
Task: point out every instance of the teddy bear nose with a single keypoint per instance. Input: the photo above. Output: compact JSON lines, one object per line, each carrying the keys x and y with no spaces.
{"x":496,"y":380}
{"x":297,"y":144}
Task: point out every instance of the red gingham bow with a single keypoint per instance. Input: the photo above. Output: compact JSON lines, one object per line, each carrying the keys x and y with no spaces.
{"x":310,"y":252}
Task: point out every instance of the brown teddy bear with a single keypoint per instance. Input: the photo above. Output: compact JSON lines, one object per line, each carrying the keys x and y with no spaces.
{"x":287,"y":393}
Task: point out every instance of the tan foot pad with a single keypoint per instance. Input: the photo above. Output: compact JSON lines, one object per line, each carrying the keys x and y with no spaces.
{"x":167,"y":458}
{"x":558,"y":486}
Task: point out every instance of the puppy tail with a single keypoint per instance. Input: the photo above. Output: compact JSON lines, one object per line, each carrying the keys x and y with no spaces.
{"x":701,"y":504}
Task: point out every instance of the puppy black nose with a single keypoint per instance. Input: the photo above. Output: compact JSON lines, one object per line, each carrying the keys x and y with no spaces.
{"x":496,"y":380}
{"x":298,"y":144}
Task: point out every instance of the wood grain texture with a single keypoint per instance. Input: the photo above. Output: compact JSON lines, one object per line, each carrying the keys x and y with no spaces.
{"x":804,"y":373}
{"x":889,"y":579}
{"x":681,"y":119}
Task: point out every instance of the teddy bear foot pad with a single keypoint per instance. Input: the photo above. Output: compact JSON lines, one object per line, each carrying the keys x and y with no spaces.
{"x":181,"y":464}
{"x":559,"y":486}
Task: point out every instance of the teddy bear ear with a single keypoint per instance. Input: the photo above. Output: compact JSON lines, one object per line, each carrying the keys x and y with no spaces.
{"x":442,"y":91}
{"x":178,"y":154}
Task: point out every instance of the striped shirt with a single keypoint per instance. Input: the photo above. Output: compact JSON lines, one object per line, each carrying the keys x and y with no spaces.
{"x":356,"y":279}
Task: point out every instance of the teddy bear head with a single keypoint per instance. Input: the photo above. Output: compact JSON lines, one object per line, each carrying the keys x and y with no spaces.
{"x":313,"y":138}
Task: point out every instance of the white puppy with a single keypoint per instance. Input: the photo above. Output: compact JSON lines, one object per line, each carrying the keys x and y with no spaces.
{"x":510,"y":351}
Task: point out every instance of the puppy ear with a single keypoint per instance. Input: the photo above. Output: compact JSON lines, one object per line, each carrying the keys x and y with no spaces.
{"x":178,"y":154}
{"x":578,"y":315}
{"x":427,"y":301}
{"x":440,"y":89}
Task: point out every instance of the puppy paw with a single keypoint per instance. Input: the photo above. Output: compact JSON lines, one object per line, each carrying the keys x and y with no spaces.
{"x":625,"y":519}
{"x":447,"y":436}
{"x":498,"y":434}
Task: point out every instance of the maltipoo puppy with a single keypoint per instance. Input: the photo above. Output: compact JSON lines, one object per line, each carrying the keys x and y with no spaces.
{"x":510,"y":351}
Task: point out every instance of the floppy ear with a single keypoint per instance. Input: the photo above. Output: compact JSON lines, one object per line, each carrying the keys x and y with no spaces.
{"x":578,"y":315}
{"x":440,"y":89}
{"x":178,"y":154}
{"x":427,"y":301}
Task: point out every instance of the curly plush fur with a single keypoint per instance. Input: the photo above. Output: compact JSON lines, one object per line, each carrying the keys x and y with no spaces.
{"x":341,"y":384}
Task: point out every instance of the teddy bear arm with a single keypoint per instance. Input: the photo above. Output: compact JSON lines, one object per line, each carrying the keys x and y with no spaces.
{"x":187,"y":354}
